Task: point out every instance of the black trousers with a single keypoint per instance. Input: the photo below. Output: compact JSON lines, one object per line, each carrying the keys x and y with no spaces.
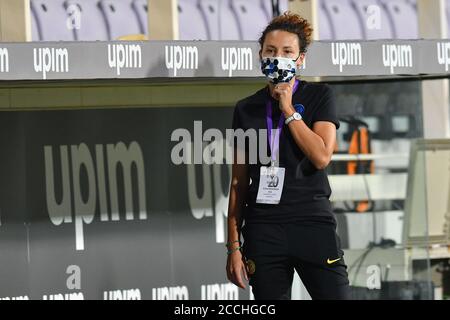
{"x":312,"y":248}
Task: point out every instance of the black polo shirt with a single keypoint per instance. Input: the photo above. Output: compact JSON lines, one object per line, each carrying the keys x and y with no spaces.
{"x":306,"y":189}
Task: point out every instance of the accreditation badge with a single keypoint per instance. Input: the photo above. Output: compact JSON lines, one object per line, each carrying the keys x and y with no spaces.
{"x":271,"y":180}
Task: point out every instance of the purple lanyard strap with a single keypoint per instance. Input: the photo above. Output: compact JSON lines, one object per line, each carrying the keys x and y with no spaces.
{"x":275,"y":144}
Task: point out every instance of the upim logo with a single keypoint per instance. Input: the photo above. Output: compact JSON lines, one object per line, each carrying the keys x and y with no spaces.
{"x":346,"y":54}
{"x":443,"y":53}
{"x":83,"y":209}
{"x":131,"y":294}
{"x":397,"y":56}
{"x":16,"y":298}
{"x":236,"y":59}
{"x":64,"y":296}
{"x":4,"y":60}
{"x":181,"y":57}
{"x":122,"y":56}
{"x":50,"y":60}
{"x":170,"y":293}
{"x":223,"y":291}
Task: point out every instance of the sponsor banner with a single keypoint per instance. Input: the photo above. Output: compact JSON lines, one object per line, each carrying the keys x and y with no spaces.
{"x":125,"y":59}
{"x":223,"y":59}
{"x":435,"y":56}
{"x":93,"y":207}
{"x":371,"y":58}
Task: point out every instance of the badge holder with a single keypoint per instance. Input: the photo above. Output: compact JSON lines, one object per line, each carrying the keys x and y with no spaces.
{"x":271,"y":179}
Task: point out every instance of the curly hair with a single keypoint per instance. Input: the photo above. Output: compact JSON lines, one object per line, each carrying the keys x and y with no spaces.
{"x":293,"y":23}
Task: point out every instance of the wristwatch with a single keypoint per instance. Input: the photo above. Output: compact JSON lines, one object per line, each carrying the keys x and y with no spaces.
{"x":295,"y":116}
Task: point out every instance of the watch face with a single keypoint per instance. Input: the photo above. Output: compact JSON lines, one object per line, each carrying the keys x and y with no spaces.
{"x":297,"y":116}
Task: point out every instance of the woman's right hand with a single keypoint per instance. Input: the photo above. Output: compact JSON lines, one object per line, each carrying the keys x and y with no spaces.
{"x":236,"y":268}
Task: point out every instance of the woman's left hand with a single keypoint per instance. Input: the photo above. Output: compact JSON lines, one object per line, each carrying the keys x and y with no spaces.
{"x":283,"y":93}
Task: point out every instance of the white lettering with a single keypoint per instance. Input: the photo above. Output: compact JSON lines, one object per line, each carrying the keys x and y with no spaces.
{"x":118,"y":156}
{"x":124,"y":56}
{"x":48,"y":60}
{"x":170,"y":293}
{"x":74,"y":280}
{"x":346,"y":54}
{"x":64,"y":296}
{"x":236,"y":59}
{"x":443,"y":53}
{"x":181,"y":57}
{"x":132,"y":294}
{"x":373,"y":21}
{"x":16,"y":298}
{"x":374,"y":279}
{"x":397,"y":56}
{"x":216,"y":291}
{"x":4,"y":60}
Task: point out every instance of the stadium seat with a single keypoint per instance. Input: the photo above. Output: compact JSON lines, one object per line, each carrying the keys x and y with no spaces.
{"x":52,"y":19}
{"x":325,"y":30}
{"x":210,"y":12}
{"x":403,"y":17}
{"x":223,"y":26}
{"x":284,"y":5}
{"x":385,"y":30}
{"x":140,"y":7}
{"x":229,"y":25}
{"x":447,"y":10}
{"x":251,"y":16}
{"x":344,"y":19}
{"x":267,"y":5}
{"x":92,"y":21}
{"x":221,"y":21}
{"x":191,"y":22}
{"x":412,"y":3}
{"x":121,"y":20}
{"x":35,"y":33}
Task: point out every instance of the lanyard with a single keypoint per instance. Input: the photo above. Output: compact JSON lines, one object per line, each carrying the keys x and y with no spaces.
{"x":275,"y":144}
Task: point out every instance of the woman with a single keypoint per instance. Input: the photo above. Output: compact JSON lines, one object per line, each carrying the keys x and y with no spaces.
{"x":288,"y":220}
